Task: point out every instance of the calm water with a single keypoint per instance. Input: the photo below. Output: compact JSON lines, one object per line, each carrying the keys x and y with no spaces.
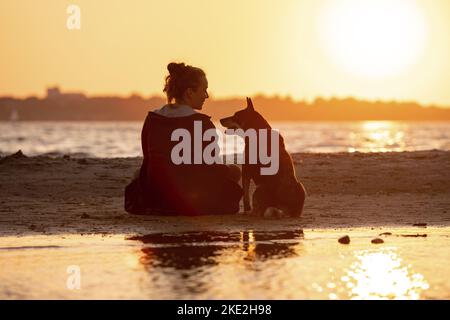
{"x":238,"y":265}
{"x":122,"y":139}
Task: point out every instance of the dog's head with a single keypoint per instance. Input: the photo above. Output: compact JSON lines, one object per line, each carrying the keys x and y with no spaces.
{"x":244,"y":119}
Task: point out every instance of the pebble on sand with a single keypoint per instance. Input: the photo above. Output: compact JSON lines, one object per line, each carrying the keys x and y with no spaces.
{"x":344,"y":240}
{"x":377,"y":241}
{"x":419,"y":225}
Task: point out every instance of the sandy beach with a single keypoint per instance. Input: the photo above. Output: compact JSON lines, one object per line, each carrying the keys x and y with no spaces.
{"x":43,"y":195}
{"x":60,"y":213}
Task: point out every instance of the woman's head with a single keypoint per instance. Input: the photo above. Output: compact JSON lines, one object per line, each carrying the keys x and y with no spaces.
{"x":186,"y":85}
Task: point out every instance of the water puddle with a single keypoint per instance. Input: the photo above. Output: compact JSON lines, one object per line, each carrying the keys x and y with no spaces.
{"x":200,"y":249}
{"x":250,"y":264}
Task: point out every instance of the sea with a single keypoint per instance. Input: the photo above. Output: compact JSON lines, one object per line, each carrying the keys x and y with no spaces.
{"x":122,"y":139}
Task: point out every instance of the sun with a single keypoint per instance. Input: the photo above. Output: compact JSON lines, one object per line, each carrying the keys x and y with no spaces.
{"x":374,"y":38}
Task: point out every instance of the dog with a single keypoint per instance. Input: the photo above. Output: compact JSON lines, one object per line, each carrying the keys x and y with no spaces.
{"x":277,"y":195}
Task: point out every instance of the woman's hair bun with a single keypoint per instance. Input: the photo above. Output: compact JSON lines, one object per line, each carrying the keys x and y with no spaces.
{"x":175,"y":68}
{"x":181,"y":77}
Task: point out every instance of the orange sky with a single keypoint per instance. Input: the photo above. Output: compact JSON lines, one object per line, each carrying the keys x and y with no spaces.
{"x":286,"y":47}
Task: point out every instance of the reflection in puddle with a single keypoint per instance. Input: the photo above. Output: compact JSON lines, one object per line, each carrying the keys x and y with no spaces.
{"x":198,"y":249}
{"x":211,"y":264}
{"x":380,"y":274}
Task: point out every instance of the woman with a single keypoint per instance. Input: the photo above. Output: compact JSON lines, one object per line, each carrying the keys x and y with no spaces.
{"x":166,"y":188}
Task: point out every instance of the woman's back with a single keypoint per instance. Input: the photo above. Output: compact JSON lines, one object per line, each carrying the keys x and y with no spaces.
{"x":166,"y":186}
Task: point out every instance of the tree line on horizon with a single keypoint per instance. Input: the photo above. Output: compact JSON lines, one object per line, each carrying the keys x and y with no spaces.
{"x":58,"y":106}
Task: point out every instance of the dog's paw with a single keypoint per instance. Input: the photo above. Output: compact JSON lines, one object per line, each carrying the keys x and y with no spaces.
{"x":273,"y":213}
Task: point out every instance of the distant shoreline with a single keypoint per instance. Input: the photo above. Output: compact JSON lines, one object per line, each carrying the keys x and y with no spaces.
{"x":58,"y":106}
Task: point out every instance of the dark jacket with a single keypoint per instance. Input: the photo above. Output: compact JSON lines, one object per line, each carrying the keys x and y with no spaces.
{"x":165,"y":188}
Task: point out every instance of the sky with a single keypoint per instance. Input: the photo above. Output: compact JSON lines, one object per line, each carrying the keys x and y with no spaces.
{"x":368,"y":49}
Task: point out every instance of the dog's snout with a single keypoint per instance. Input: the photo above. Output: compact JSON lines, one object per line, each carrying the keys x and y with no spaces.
{"x":226,"y":122}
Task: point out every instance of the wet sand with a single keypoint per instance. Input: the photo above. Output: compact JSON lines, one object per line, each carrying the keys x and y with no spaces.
{"x":295,"y":264}
{"x":44,"y":195}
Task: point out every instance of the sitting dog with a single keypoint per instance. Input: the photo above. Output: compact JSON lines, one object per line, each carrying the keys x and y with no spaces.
{"x":275,"y":195}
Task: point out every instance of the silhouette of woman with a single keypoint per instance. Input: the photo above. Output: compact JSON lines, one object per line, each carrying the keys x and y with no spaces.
{"x":165,"y":188}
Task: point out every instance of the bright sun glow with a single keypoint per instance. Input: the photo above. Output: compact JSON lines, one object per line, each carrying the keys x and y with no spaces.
{"x":374,"y":38}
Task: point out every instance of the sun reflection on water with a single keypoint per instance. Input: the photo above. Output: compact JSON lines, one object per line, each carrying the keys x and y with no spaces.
{"x":378,"y":136}
{"x":380,"y":274}
{"x":247,"y":244}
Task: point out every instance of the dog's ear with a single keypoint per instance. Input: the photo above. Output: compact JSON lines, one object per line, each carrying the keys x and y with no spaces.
{"x":250,"y":104}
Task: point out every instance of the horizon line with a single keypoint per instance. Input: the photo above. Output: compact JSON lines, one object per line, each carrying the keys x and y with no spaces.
{"x":212,"y":97}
